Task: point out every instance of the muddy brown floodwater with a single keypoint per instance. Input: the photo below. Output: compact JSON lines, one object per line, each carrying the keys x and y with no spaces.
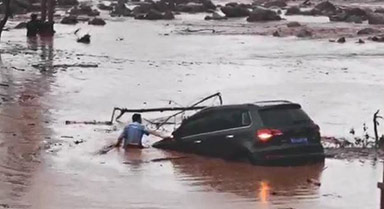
{"x":45,"y":164}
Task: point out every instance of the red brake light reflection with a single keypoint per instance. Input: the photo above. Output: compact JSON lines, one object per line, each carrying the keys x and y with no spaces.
{"x":266,"y":134}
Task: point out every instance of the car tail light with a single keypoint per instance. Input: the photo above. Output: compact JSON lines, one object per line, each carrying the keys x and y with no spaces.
{"x":266,"y":134}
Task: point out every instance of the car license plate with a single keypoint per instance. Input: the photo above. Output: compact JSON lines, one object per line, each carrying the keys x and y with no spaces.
{"x":299,"y":140}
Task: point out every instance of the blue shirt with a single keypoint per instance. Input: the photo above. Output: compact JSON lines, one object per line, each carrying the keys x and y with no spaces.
{"x":133,"y":133}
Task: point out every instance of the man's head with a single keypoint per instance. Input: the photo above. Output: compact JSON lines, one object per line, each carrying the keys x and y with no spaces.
{"x":33,"y":16}
{"x":136,"y":118}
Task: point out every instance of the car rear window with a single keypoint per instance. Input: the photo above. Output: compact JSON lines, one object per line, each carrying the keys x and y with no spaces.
{"x":277,"y":117}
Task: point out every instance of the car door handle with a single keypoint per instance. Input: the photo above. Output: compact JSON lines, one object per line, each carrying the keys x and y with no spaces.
{"x":197,"y":141}
{"x":229,"y":136}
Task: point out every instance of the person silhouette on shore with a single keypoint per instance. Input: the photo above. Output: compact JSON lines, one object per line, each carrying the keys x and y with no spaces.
{"x":33,"y":26}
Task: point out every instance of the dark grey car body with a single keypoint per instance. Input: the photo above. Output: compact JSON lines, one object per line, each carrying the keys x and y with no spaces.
{"x":231,"y":132}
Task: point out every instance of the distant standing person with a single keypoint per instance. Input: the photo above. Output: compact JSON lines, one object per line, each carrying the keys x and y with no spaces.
{"x":133,"y":133}
{"x":33,"y":26}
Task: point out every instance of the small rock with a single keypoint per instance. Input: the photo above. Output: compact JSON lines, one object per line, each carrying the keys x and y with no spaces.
{"x":86,"y":39}
{"x":377,"y":39}
{"x":360,"y":41}
{"x":341,"y":40}
{"x":96,"y":21}
{"x":276,"y":34}
{"x":78,"y":141}
{"x":4,"y":205}
{"x":293,"y":24}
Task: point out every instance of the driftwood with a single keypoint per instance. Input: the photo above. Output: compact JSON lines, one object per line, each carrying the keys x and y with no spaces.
{"x":69,"y":122}
{"x":375,"y":124}
{"x":160,"y":109}
{"x":194,"y":105}
{"x":68,"y":65}
{"x":179,"y":110}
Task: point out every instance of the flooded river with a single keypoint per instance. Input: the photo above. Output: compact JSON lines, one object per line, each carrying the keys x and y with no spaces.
{"x":45,"y":164}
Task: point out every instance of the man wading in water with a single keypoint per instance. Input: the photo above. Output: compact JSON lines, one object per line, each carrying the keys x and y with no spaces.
{"x":133,"y":134}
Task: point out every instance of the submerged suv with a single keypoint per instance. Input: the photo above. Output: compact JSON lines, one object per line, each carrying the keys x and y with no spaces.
{"x":269,"y":132}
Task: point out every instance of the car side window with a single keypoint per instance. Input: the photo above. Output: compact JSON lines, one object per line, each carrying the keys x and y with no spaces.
{"x":230,"y":119}
{"x":216,"y":121}
{"x":196,"y":126}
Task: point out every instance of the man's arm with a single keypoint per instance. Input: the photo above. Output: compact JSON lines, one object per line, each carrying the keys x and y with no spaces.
{"x":155,"y":133}
{"x":120,"y":139}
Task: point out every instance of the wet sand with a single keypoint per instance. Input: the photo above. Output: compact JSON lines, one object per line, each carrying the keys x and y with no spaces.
{"x":44,"y":166}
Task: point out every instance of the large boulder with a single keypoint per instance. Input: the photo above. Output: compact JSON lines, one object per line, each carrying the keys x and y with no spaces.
{"x":67,"y":2}
{"x":354,"y":19}
{"x":293,"y":24}
{"x":358,"y":12}
{"x":97,"y":21}
{"x":191,"y":7}
{"x":142,"y":9}
{"x":105,"y":7}
{"x":168,"y":15}
{"x":17,"y":7}
{"x":261,"y":14}
{"x":164,"y":5}
{"x":375,"y":18}
{"x":379,"y":10}
{"x":235,"y":11}
{"x":275,"y":3}
{"x":84,"y":9}
{"x":340,"y":17}
{"x":121,"y":10}
{"x":355,"y":15}
{"x":153,"y":15}
{"x":215,"y":16}
{"x":69,"y":20}
{"x":304,"y":33}
{"x":367,"y":31}
{"x":208,"y":4}
{"x":294,"y":10}
{"x":325,"y":8}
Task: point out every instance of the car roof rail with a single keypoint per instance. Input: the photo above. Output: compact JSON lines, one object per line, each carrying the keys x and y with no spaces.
{"x":273,"y":103}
